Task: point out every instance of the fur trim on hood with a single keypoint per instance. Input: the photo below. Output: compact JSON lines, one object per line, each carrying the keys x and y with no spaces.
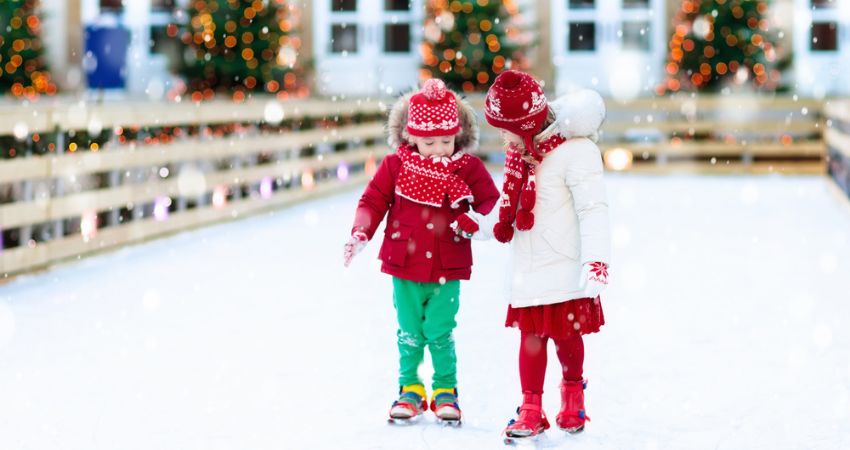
{"x":577,"y":114}
{"x":466,"y":140}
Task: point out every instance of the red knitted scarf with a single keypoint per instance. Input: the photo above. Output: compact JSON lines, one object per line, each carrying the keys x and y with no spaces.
{"x":519,"y":191}
{"x":429,"y":180}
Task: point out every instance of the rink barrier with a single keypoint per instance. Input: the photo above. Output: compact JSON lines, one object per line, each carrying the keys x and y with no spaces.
{"x":186,"y":165}
{"x":706,"y":134}
{"x":260,"y":155}
{"x":837,"y":139}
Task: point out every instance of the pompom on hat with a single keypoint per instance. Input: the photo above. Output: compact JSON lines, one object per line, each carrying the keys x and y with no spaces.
{"x":433,"y":111}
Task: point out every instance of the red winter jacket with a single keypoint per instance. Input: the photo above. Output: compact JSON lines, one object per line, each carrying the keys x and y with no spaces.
{"x":418,"y":243}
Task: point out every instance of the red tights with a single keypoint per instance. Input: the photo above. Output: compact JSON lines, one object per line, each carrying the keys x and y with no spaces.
{"x":532,"y":360}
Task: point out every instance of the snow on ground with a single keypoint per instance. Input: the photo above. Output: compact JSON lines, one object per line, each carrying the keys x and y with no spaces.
{"x":726,"y":330}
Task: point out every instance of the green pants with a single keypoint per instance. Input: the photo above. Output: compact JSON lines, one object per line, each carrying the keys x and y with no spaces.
{"x":426,"y":316}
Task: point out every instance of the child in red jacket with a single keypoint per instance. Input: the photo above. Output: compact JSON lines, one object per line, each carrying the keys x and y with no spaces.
{"x":426,"y":189}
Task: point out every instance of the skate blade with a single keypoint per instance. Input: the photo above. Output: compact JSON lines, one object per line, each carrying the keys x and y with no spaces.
{"x":404,"y":421}
{"x":453,"y":423}
{"x":522,"y":440}
{"x":573,"y":430}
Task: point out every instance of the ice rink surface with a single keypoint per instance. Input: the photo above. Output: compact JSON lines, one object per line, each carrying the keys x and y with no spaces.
{"x":727,"y":328}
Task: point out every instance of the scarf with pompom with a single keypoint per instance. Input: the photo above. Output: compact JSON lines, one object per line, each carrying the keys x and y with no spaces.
{"x":519,"y":190}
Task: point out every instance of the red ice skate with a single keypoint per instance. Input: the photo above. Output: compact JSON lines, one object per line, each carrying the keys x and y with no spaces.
{"x":530,"y":421}
{"x":572,"y":416}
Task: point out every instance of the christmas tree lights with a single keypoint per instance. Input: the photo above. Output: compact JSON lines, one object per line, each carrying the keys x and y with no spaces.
{"x":243,"y":46}
{"x":468,"y":43}
{"x":23,"y":72}
{"x":720,"y":42}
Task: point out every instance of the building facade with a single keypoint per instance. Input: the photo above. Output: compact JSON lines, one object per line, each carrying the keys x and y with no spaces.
{"x":366,"y":47}
{"x":371,"y":47}
{"x":615,"y":46}
{"x":147,"y":60}
{"x":821,"y":46}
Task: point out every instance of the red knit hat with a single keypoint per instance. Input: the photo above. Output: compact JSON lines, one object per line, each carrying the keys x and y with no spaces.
{"x":516,"y":103}
{"x":433,"y":111}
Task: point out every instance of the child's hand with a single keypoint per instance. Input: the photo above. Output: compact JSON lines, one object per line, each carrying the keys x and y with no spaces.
{"x":465,"y":225}
{"x":594,"y":279}
{"x":354,"y":245}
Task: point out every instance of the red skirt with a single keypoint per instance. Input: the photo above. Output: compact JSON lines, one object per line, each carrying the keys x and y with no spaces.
{"x":559,"y":320}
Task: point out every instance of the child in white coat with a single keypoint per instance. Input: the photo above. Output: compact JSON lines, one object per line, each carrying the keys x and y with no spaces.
{"x":554,"y":197}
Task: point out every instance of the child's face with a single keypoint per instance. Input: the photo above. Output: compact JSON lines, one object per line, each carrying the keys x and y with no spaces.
{"x":435,"y":146}
{"x":511,"y":138}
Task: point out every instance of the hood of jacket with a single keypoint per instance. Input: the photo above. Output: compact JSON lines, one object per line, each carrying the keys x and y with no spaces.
{"x":577,"y":114}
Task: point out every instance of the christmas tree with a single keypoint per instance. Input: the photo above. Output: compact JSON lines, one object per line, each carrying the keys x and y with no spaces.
{"x":243,"y":46}
{"x":467,"y":43}
{"x":716,"y":43}
{"x":23,"y":71}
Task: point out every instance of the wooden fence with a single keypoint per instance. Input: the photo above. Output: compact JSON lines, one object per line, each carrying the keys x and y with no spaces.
{"x":714,"y":134}
{"x":78,"y":178}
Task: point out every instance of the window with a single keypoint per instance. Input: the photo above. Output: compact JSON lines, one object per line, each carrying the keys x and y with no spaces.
{"x":397,"y":38}
{"x":824,"y":36}
{"x":343,"y":5}
{"x":636,"y":35}
{"x":163,"y":5}
{"x":823,"y":4}
{"x":344,"y":38}
{"x":111,"y":5}
{"x":582,"y":4}
{"x":582,"y":36}
{"x":397,"y":5}
{"x":162,"y":44}
{"x":627,"y":4}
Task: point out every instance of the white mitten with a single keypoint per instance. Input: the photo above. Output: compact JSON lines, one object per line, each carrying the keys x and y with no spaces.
{"x":354,"y":246}
{"x":594,"y":279}
{"x":485,"y":224}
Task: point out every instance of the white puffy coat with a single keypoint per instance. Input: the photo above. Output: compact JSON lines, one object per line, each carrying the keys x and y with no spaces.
{"x":571,"y":212}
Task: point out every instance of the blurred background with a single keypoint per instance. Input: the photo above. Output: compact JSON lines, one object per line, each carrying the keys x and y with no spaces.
{"x":178,"y":177}
{"x":157,"y":48}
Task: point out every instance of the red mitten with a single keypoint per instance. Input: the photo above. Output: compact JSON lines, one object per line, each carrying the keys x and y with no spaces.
{"x":465,"y":225}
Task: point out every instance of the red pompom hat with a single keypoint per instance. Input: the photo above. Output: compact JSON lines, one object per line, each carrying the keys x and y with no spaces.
{"x":516,"y":103}
{"x":433,"y":111}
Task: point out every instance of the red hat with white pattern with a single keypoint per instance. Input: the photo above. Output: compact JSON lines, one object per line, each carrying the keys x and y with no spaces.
{"x":433,"y":111}
{"x":516,"y":103}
